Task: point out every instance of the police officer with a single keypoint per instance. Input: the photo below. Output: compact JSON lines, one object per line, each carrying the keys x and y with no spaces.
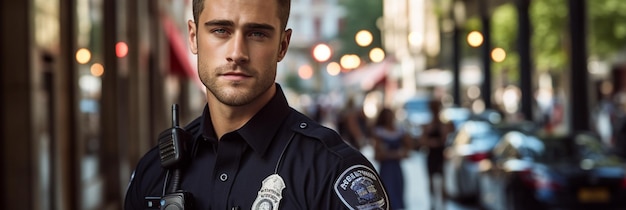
{"x":249,"y":149}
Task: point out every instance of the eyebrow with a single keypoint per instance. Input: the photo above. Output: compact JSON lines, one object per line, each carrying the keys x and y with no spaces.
{"x":259,"y":26}
{"x":219,"y":23}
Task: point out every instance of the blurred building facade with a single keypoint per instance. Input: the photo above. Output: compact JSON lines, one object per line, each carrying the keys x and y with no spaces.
{"x":86,"y":87}
{"x":411,"y":35}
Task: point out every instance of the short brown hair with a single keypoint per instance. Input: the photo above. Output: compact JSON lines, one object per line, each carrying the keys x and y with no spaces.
{"x":284,"y":7}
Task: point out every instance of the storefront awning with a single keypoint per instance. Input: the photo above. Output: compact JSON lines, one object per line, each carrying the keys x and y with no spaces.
{"x":179,"y":53}
{"x":368,"y":76}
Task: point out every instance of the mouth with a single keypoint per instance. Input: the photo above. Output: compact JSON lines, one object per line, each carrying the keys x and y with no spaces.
{"x":235,"y":76}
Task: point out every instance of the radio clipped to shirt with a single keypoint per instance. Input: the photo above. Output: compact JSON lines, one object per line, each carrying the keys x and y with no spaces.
{"x":174,"y":155}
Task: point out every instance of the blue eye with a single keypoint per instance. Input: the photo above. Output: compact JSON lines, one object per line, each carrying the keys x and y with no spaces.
{"x":257,"y":34}
{"x":219,"y":31}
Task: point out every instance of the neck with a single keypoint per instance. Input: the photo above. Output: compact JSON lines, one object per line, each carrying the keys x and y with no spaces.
{"x":226,"y":118}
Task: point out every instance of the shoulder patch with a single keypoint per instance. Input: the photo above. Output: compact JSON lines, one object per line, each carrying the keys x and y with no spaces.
{"x":359,"y":187}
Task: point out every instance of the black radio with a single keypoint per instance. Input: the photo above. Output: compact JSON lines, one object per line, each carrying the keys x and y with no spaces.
{"x":174,"y":155}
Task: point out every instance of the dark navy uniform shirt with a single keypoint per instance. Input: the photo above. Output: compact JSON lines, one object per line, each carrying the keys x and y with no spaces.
{"x":319,"y":170}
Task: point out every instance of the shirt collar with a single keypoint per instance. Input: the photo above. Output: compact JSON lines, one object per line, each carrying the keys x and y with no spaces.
{"x":261,"y":129}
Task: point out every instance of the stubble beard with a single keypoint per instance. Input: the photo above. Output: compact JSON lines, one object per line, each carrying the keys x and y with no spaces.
{"x":234,"y":93}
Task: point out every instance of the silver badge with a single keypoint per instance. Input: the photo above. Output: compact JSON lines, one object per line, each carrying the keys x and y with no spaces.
{"x":270,"y":193}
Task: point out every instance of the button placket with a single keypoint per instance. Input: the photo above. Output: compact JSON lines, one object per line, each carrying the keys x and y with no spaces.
{"x":229,"y":154}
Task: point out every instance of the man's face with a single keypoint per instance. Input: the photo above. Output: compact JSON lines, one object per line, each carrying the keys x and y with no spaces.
{"x":238,"y":43}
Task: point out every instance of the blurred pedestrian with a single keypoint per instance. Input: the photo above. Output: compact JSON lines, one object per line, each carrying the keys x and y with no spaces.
{"x":249,"y":149}
{"x":433,"y":138}
{"x":391,"y":145}
{"x":353,"y":126}
{"x":605,"y":113}
{"x":618,"y":115}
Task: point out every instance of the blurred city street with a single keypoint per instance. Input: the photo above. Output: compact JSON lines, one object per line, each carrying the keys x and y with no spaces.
{"x":87,"y":86}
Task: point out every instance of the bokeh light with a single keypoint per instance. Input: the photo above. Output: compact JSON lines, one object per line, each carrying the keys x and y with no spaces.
{"x":305,"y":72}
{"x":498,"y":55}
{"x":363,"y":38}
{"x":350,"y":61}
{"x":475,"y":38}
{"x":121,"y":49}
{"x":97,"y":70}
{"x":377,"y":55}
{"x":321,"y":52}
{"x":83,"y":55}
{"x":415,"y":39}
{"x":333,"y":68}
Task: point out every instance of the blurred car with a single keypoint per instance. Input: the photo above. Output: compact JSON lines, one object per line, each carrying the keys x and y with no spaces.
{"x":455,"y":115}
{"x":566,"y":172}
{"x":415,"y":113}
{"x":466,"y":147}
{"x":471,"y":143}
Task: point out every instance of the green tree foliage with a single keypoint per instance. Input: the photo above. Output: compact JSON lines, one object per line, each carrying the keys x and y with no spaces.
{"x":360,"y":15}
{"x":549,"y":35}
{"x":607,"y":27}
{"x":504,"y":35}
{"x":606,"y":31}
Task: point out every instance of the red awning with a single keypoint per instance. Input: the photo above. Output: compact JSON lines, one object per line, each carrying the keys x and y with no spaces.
{"x":180,"y":55}
{"x":368,"y":76}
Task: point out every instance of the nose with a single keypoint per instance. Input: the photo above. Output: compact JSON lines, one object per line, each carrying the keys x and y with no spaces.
{"x":238,"y":50}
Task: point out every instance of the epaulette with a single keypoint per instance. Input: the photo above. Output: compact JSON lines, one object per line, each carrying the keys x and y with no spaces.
{"x":329,"y":138}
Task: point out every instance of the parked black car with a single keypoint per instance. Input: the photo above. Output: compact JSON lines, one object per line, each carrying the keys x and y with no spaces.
{"x":468,"y":147}
{"x":566,"y":172}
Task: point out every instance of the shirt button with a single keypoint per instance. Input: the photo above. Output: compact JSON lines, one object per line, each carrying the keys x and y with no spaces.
{"x":223,"y":177}
{"x":303,"y":125}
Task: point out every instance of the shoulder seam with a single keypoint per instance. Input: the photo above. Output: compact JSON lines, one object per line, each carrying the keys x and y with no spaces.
{"x":322,"y":134}
{"x":194,"y":126}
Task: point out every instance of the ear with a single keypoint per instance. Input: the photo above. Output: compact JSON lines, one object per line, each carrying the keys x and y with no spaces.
{"x":284,"y":44}
{"x":193,"y":36}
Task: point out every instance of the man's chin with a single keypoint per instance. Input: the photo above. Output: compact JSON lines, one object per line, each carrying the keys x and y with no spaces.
{"x":233,"y":96}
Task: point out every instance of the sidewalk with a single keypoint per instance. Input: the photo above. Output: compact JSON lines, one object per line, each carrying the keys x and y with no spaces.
{"x":415,"y":178}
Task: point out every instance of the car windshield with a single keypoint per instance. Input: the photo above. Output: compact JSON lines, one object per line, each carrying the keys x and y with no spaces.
{"x":590,"y":147}
{"x":555,"y":150}
{"x":477,"y":133}
{"x":575,"y":149}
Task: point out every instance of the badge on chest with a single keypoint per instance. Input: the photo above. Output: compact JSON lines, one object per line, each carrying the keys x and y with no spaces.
{"x":268,"y":197}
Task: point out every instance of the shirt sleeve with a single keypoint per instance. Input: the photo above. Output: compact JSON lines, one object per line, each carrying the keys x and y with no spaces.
{"x":131,"y":201}
{"x":356,"y":185}
{"x":145,"y":181}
